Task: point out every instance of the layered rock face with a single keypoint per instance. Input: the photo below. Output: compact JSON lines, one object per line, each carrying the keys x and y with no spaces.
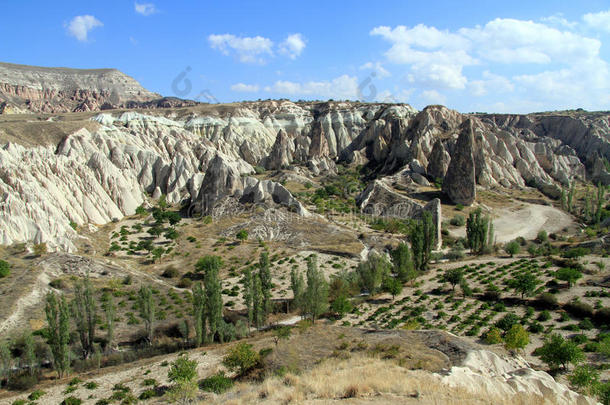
{"x":95,"y":176}
{"x":53,"y":90}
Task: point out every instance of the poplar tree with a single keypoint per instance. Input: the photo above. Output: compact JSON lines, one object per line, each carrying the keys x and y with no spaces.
{"x":146,"y":306}
{"x":247,"y":288}
{"x":58,"y":334}
{"x":265,"y":276}
{"x":84,"y":310}
{"x":110,"y":314}
{"x":297,"y":285}
{"x":402,"y":263}
{"x":316,"y":292}
{"x":199,"y":314}
{"x":213,"y":295}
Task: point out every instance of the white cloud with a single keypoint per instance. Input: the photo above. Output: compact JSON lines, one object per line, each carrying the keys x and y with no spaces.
{"x":511,"y":41}
{"x":247,"y":49}
{"x":490,"y":82}
{"x":246,"y":88}
{"x":293,"y":45}
{"x":342,"y":87}
{"x":433,"y":97}
{"x":80,"y":26}
{"x":599,"y":21}
{"x":377,"y":69}
{"x":145,"y":9}
{"x":558,"y":20}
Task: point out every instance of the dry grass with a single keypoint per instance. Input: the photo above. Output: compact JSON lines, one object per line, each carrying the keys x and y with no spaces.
{"x":360,"y":379}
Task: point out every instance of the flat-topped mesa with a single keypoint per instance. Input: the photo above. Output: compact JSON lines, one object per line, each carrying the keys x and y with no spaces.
{"x":51,"y":89}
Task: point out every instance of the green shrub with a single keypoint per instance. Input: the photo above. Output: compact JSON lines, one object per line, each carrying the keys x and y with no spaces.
{"x":36,"y":395}
{"x":546,"y":301}
{"x":170,"y":272}
{"x":579,"y":309}
{"x":72,"y":401}
{"x":544,"y":316}
{"x":458,"y":220}
{"x":22,"y":382}
{"x":218,"y":383}
{"x":493,"y":336}
{"x":5,"y":269}
{"x":241,"y":358}
{"x":91,"y":385}
{"x":507,"y":322}
{"x":147,"y":394}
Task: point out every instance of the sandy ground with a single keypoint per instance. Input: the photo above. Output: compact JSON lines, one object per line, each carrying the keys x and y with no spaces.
{"x":524,"y":220}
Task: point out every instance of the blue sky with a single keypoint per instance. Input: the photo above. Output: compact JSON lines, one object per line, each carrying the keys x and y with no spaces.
{"x":472,"y":56}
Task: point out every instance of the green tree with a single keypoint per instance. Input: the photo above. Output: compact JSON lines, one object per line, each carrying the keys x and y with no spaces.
{"x":556,"y":351}
{"x":316,"y":292}
{"x":569,"y":275}
{"x":281,"y":333}
{"x":6,"y":361}
{"x":601,"y":191}
{"x":479,"y":231}
{"x":372,"y":271}
{"x":208,"y":262}
{"x":403,"y":263}
{"x":341,"y":305}
{"x":453,"y":277}
{"x":110,"y":315}
{"x":516,"y":337}
{"x":213,"y":293}
{"x":493,"y":336}
{"x":146,"y":306}
{"x":392,"y":285}
{"x":199,"y":314}
{"x":570,"y":203}
{"x":247,"y":286}
{"x":512,"y":248}
{"x":423,"y":238}
{"x":84,"y":310}
{"x":183,"y":375}
{"x":585,"y":379}
{"x":266,"y":284}
{"x":58,"y":332}
{"x":297,"y":284}
{"x":241,"y":358}
{"x":257,"y":301}
{"x":28,"y":352}
{"x":466,"y":290}
{"x":242,"y":235}
{"x":5,"y":269}
{"x":524,"y":283}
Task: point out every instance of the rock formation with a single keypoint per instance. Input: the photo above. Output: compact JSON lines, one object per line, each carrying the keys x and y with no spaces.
{"x":459,"y":183}
{"x":379,"y":200}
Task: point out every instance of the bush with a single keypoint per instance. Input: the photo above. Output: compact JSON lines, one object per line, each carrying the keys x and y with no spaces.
{"x":5,"y":269}
{"x":575,"y":253}
{"x":512,"y":248}
{"x":579,"y":309}
{"x":182,"y":370}
{"x":536,"y":327}
{"x":544,"y":316}
{"x":147,"y":394}
{"x":170,"y":272}
{"x":185,"y":282}
{"x":71,"y":401}
{"x":218,"y":383}
{"x":585,"y":379}
{"x":36,"y":395}
{"x":516,"y":337}
{"x":241,"y":358}
{"x":507,"y":322}
{"x":458,"y":220}
{"x":546,"y":301}
{"x":22,"y":382}
{"x":602,"y":316}
{"x":542,"y":236}
{"x":493,"y":336}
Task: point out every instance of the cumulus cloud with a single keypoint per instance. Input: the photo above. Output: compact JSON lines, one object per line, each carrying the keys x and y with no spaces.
{"x":433,"y":97}
{"x":145,"y":9}
{"x":377,"y":68}
{"x":342,"y":87}
{"x":247,"y":49}
{"x":599,"y":21}
{"x":552,"y":62}
{"x":293,"y":45}
{"x":80,"y":26}
{"x":245,"y":88}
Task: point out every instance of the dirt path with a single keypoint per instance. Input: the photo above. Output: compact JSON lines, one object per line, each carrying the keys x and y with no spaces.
{"x":525,"y":220}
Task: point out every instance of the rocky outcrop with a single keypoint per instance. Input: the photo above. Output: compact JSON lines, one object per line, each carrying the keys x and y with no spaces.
{"x":53,"y":90}
{"x":379,"y":200}
{"x":459,"y":183}
{"x":439,"y":161}
{"x":282,"y":152}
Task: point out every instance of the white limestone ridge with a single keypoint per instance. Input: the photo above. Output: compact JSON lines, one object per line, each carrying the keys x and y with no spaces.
{"x":93,"y":177}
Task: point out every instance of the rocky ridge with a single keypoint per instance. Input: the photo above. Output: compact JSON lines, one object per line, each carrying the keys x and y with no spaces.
{"x":195,"y":155}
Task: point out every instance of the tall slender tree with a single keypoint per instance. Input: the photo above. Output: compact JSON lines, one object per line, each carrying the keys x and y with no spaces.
{"x":58,"y":333}
{"x":247,"y":288}
{"x":146,"y":304}
{"x":266,"y":284}
{"x":213,"y":294}
{"x":199,"y":314}
{"x":316,"y":292}
{"x":297,"y":285}
{"x":257,"y":301}
{"x":402,"y":263}
{"x":84,"y":310}
{"x":110,"y":315}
